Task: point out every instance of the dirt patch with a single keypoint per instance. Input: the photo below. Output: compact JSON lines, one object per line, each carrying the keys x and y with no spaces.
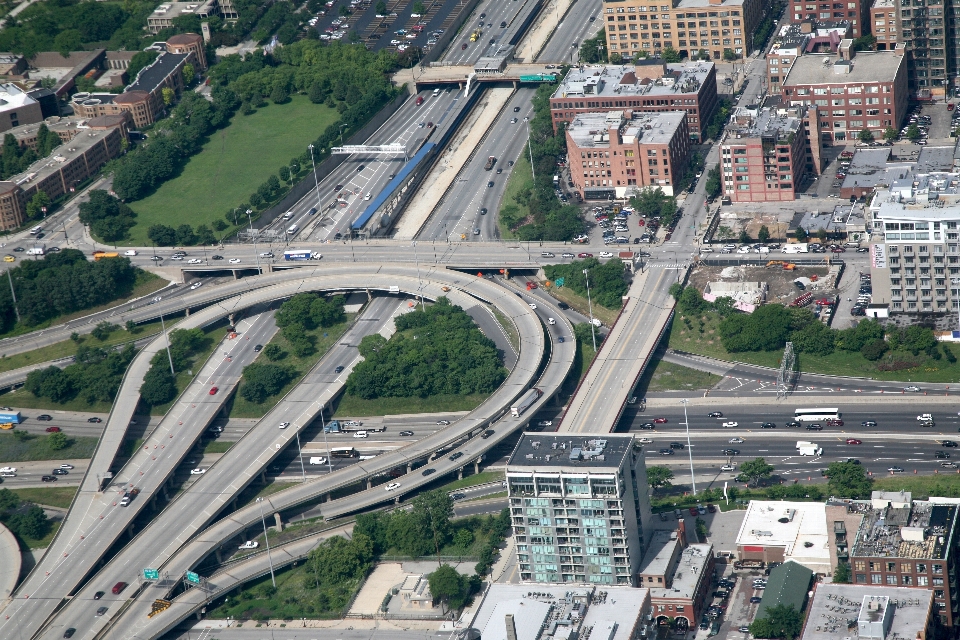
{"x":780,"y":281}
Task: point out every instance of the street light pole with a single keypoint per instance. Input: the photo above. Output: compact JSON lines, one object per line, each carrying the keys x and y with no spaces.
{"x":590,"y":304}
{"x":315,"y":178}
{"x":256,"y":252}
{"x":419,"y":281}
{"x":325,"y":443}
{"x":530,"y":149}
{"x":303,"y":472}
{"x":267,"y":540}
{"x":16,"y":308}
{"x":163,"y":327}
{"x":686,"y":421}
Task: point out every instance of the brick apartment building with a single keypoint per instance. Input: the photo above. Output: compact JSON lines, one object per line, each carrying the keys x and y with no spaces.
{"x":885,"y":24}
{"x":851,"y":93}
{"x":647,"y":87}
{"x":765,"y":153}
{"x":686,"y":25}
{"x":795,"y":40}
{"x":857,"y":12}
{"x":679,"y":576}
{"x":617,"y":153}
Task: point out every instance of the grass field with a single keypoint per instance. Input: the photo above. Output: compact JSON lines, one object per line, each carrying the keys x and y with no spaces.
{"x":508,"y":327}
{"x":69,"y":347}
{"x":664,"y":376}
{"x":581,"y":304}
{"x":233,"y":163}
{"x":354,"y":407}
{"x":50,"y":496}
{"x":323,"y":340}
{"x":35,"y":447}
{"x":839,"y":363}
{"x":471,"y":481}
{"x":521,"y":179}
{"x":218,"y":446}
{"x":942,"y":485}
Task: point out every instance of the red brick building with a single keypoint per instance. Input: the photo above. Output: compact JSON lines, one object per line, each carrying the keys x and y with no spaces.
{"x":617,"y":153}
{"x":867,"y":90}
{"x":885,"y":24}
{"x":856,"y":11}
{"x":647,"y":87}
{"x":679,"y":577}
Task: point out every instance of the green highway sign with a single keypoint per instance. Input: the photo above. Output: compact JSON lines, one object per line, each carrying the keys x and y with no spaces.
{"x":151,"y":574}
{"x":192,"y":577}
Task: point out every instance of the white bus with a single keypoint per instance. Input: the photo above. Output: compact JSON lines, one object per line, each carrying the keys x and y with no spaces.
{"x":816,"y":415}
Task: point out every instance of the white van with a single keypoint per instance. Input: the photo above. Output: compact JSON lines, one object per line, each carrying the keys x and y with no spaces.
{"x":288,"y":215}
{"x":293,"y":229}
{"x":852,"y":245}
{"x":130,"y":252}
{"x":436,"y":92}
{"x":360,"y":434}
{"x":318,"y":460}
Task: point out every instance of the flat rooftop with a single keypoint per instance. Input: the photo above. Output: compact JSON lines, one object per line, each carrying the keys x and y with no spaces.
{"x":657,"y":559}
{"x":688,"y":573}
{"x":867,"y":66}
{"x":151,"y":77}
{"x":61,"y":156}
{"x":880,"y":4}
{"x":706,"y":4}
{"x":793,"y":36}
{"x":791,"y":525}
{"x":547,"y":612}
{"x":13,"y":97}
{"x":913,"y":531}
{"x":762,"y":123}
{"x":590,"y":130}
{"x":834,"y":605}
{"x":572,"y":452}
{"x":617,"y":81}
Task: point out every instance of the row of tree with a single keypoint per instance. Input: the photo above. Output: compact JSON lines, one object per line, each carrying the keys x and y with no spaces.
{"x":16,"y":157}
{"x":548,"y":218}
{"x":95,"y":376}
{"x":107,"y":217}
{"x":159,"y":385}
{"x":608,"y":283}
{"x":437,"y":350}
{"x":24,"y":519}
{"x":62,"y":283}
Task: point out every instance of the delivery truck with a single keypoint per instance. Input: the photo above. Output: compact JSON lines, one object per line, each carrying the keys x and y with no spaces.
{"x":525,"y":401}
{"x":808,"y":448}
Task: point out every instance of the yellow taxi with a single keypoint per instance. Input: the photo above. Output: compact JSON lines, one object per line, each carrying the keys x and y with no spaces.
{"x":9,"y":258}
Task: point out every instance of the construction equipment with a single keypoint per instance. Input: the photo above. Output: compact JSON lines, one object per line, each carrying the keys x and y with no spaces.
{"x":158,"y":606}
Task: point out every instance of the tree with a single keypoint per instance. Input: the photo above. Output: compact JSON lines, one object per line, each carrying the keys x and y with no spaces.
{"x":279,"y":95}
{"x":158,"y":386}
{"x":874,"y":350}
{"x":462,"y":540}
{"x":260,"y":381}
{"x":131,"y":327}
{"x":103,"y":330}
{"x":185,"y":235}
{"x":848,"y":480}
{"x":284,"y":173}
{"x":676,"y":290}
{"x":274,"y":352}
{"x":781,"y":621}
{"x":744,"y":237}
{"x":36,"y":208}
{"x":32,"y":524}
{"x":865,"y":135}
{"x":659,"y":476}
{"x":57,"y":441}
{"x":188,"y":73}
{"x":822,"y":234}
{"x":67,"y":41}
{"x":763,"y":234}
{"x":890,"y":134}
{"x":913,"y":132}
{"x":729,"y":55}
{"x":713,"y":185}
{"x":691,"y":302}
{"x":841,"y":574}
{"x":8,"y":501}
{"x":162,"y":235}
{"x":670,"y":55}
{"x":800,"y":234}
{"x":756,"y":470}
{"x":418,"y":7}
{"x":701,"y":527}
{"x":381,"y":8}
{"x":169,"y":95}
{"x":447,"y":586}
{"x":865,"y":42}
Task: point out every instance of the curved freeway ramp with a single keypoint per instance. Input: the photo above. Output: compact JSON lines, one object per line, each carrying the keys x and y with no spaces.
{"x":10,"y":567}
{"x":36,"y":601}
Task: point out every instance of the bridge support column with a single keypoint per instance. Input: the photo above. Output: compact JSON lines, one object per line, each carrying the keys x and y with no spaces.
{"x":219,"y":555}
{"x":476,"y":466}
{"x":369,"y":295}
{"x":130,"y":531}
{"x":369,"y":484}
{"x":460,"y":473}
{"x":326,"y":497}
{"x":396,"y":500}
{"x":515,"y":85}
{"x":233,"y":504}
{"x":409,"y":467}
{"x":235,"y":276}
{"x":166,"y":494}
{"x":276,"y":517}
{"x":186,"y":312}
{"x":230,"y":319}
{"x":199,"y":615}
{"x":263,"y":477}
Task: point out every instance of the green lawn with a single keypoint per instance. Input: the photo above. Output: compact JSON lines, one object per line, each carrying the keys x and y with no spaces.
{"x":706,"y":341}
{"x":69,"y":347}
{"x":943,"y":485}
{"x":354,"y":407}
{"x":218,"y":446}
{"x":323,"y":340}
{"x":664,"y":376}
{"x":51,"y":496}
{"x":581,"y":304}
{"x":233,"y":163}
{"x":520,"y":180}
{"x":508,"y":327}
{"x":483,"y":477}
{"x":35,"y":447}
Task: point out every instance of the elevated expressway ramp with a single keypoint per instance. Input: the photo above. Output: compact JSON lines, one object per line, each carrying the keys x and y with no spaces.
{"x":87,"y":552}
{"x":599,"y":401}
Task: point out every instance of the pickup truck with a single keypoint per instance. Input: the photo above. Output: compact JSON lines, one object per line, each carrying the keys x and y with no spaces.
{"x":492,"y":160}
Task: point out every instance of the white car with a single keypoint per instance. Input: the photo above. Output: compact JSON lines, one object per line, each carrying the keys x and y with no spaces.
{"x":249,"y":544}
{"x":393,"y":486}
{"x":197,"y":472}
{"x":284,"y":425}
{"x":130,"y":252}
{"x":731,"y":424}
{"x":360,"y":434}
{"x":645,"y":441}
{"x":194,"y":261}
{"x":8,"y":469}
{"x":196,"y":285}
{"x":737,"y":440}
{"x":728,"y":467}
{"x":925,"y":417}
{"x":66,"y":466}
{"x":551,"y":321}
{"x":743,"y":250}
{"x":606,"y":254}
{"x":533,"y":305}
{"x":234,"y":261}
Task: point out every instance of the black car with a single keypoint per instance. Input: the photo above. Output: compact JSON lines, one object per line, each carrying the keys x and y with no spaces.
{"x":490,"y":183}
{"x":19,"y":249}
{"x":793,"y":423}
{"x":563,"y":306}
{"x":44,"y":417}
{"x":339,"y":369}
{"x":69,"y":632}
{"x":428,"y":472}
{"x":313,"y":210}
{"x":647,"y":425}
{"x":868,"y":423}
{"x":516,"y":109}
{"x":948,"y":443}
{"x":101,"y":611}
{"x":943,"y":455}
{"x":98,"y":595}
{"x":48,"y":478}
{"x":94,"y":419}
{"x":456,"y":456}
{"x":814,"y":427}
{"x":715,"y":414}
{"x":217,"y":257}
{"x":731,"y":452}
{"x":258,"y":347}
{"x":483,"y":211}
{"x":61,"y":472}
{"x":666,"y":452}
{"x":677,"y":445}
{"x":405,"y":434}
{"x":361,"y":168}
{"x":768,"y":425}
{"x":487,"y":434}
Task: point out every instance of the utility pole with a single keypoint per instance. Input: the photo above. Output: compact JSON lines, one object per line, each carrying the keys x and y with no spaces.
{"x":593,"y":331}
{"x":266,"y":539}
{"x":686,"y":422}
{"x":16,"y":309}
{"x":315,"y":178}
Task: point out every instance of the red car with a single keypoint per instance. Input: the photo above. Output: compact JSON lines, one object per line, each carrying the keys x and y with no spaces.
{"x":694,"y":512}
{"x":834,"y":423}
{"x":854,"y":441}
{"x":712,"y":508}
{"x":53,"y":429}
{"x":659,"y":420}
{"x":213,"y":390}
{"x":584,"y":255}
